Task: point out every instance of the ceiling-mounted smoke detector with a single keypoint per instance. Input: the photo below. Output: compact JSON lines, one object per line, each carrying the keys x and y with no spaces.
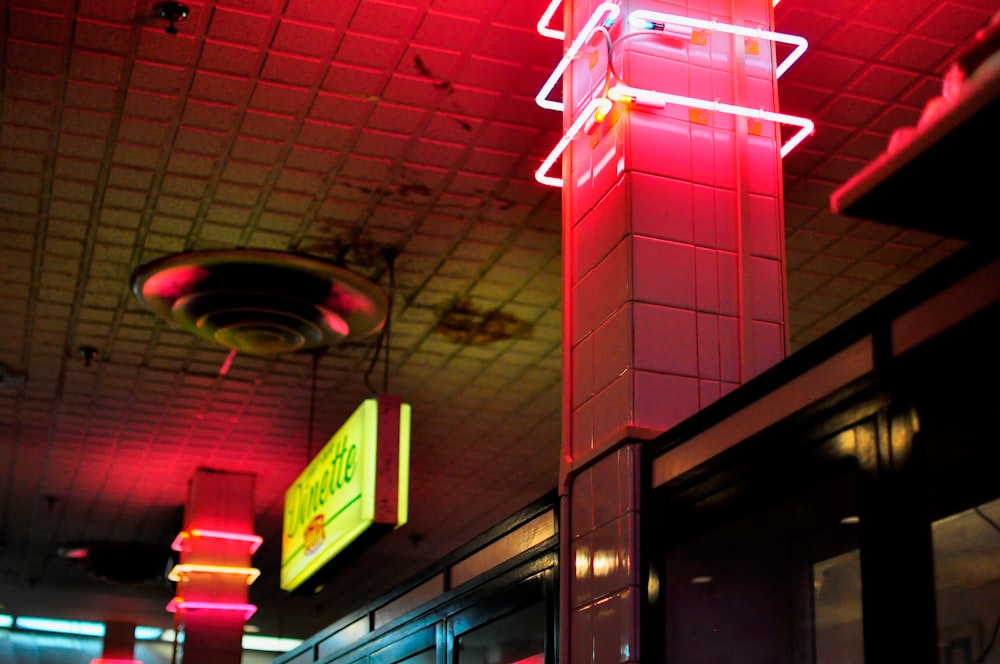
{"x":261,"y":302}
{"x":172,"y":12}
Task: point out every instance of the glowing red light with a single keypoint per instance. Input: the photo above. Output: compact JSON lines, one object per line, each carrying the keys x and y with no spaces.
{"x":178,"y":604}
{"x":253,"y":540}
{"x":173,"y":283}
{"x":180,"y":571}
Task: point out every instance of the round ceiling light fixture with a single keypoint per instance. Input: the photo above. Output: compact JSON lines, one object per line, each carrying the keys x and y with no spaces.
{"x":261,"y":302}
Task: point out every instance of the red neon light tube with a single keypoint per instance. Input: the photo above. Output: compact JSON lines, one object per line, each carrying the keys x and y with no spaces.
{"x":178,"y":604}
{"x":253,"y":540}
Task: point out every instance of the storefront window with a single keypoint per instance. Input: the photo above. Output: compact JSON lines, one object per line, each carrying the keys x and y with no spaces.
{"x":967,"y":583}
{"x":413,"y":648}
{"x":517,"y":638}
{"x":428,"y":656}
{"x":776,"y":583}
{"x":837,"y":609}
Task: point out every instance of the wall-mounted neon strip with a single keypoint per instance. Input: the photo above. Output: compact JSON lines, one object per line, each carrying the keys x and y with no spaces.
{"x":550,"y":11}
{"x":178,"y":604}
{"x":647,"y":20}
{"x":543,"y":23}
{"x":75,"y":627}
{"x":145,"y":633}
{"x":652,"y":99}
{"x":269,"y":643}
{"x":181,"y":570}
{"x":605,"y":8}
{"x":253,"y":540}
{"x":101,"y":660}
{"x":597,"y":108}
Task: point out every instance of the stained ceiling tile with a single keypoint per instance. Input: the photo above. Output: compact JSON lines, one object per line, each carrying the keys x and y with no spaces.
{"x":326,"y":135}
{"x":230,"y":58}
{"x":448,"y":31}
{"x":310,"y":159}
{"x":268,"y":125}
{"x":156,"y":77}
{"x":291,"y":69}
{"x":397,"y":118}
{"x":344,"y":109}
{"x":257,"y":150}
{"x":351,"y":80}
{"x":281,"y":99}
{"x":916,"y":53}
{"x":33,"y":57}
{"x":305,"y":39}
{"x":367,"y":51}
{"x":36,"y":26}
{"x":240,"y":27}
{"x":158,"y":46}
{"x":96,"y":67}
{"x":102,"y":36}
{"x":387,"y":19}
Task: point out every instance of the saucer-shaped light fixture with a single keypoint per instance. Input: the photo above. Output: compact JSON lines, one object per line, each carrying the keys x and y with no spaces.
{"x":261,"y":302}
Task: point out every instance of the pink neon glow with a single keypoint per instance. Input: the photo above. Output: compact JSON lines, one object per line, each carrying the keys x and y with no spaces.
{"x":543,"y":23}
{"x":183,"y":569}
{"x":546,"y":31}
{"x":337,"y":324}
{"x":254,"y":540}
{"x":599,"y":106}
{"x":653,"y":99}
{"x":605,"y":8}
{"x":102,"y":660}
{"x":173,"y":282}
{"x":178,"y":604}
{"x":640,"y":18}
{"x":667,"y":23}
{"x":224,"y":369}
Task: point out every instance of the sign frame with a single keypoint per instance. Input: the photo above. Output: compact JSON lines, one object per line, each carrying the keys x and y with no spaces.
{"x":358,"y":480}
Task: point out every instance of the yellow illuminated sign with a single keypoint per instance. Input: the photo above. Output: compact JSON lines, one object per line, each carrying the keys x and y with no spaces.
{"x":359,"y":478}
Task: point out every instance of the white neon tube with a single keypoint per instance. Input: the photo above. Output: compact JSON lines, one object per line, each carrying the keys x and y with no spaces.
{"x":652,"y":98}
{"x":181,"y":570}
{"x":543,"y":23}
{"x":612,"y":10}
{"x":600,"y":105}
{"x":644,"y":19}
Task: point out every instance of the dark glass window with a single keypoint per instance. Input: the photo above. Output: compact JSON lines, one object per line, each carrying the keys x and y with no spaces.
{"x":781,"y":583}
{"x":516,"y":638}
{"x":426,"y":657}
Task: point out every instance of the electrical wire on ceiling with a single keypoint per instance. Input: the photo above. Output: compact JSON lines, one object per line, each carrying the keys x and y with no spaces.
{"x":382,"y":345}
{"x":316,"y":354}
{"x":383,"y":341}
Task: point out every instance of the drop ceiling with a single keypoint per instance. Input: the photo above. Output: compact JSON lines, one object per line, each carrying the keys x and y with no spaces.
{"x":339,"y":130}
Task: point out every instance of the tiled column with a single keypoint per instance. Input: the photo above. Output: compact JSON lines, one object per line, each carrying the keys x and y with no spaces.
{"x":214,"y":573}
{"x":119,"y":643}
{"x":674,"y":282}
